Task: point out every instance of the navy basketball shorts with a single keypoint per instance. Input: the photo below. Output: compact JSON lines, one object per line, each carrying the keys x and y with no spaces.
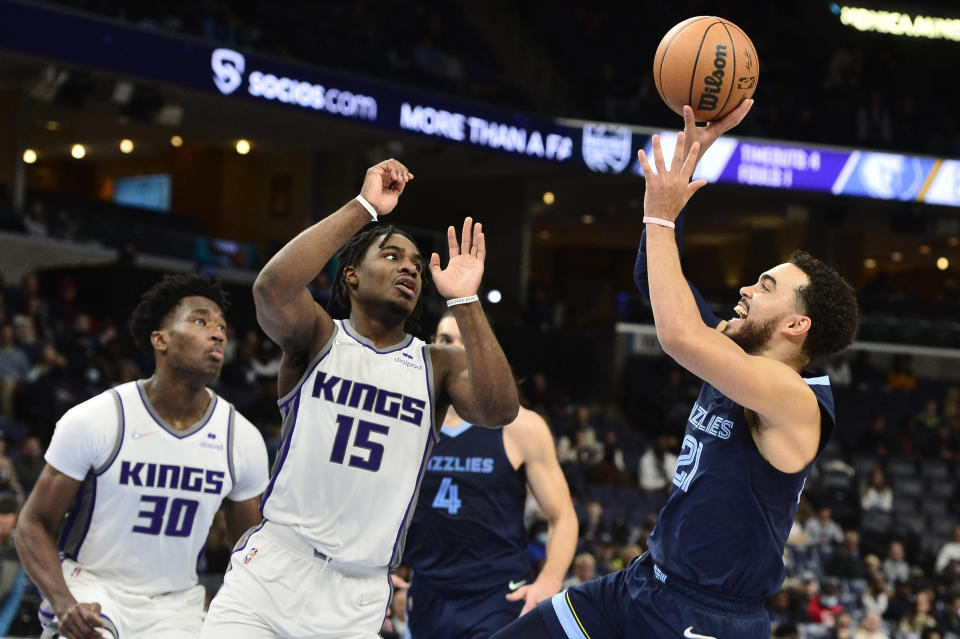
{"x":641,"y":602}
{"x":436,"y":614}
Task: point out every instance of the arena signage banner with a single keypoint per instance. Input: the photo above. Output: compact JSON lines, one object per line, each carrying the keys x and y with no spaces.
{"x":183,"y":61}
{"x":598,"y":146}
{"x":882,"y":176}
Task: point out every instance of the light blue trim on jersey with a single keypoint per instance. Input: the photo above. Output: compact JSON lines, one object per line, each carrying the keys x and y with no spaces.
{"x":455,"y":431}
{"x":823,"y":380}
{"x":568,"y":622}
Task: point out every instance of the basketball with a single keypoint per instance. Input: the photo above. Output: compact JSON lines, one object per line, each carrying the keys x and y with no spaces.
{"x":708,"y":63}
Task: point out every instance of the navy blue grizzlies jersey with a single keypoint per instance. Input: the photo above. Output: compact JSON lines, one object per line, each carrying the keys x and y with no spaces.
{"x":726,"y":522}
{"x":467,"y":534}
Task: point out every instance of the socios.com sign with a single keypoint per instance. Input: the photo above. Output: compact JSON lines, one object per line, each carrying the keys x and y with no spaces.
{"x":229,"y":67}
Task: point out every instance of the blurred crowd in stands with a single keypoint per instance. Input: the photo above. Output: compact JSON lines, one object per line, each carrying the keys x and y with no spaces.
{"x":875,"y":551}
{"x":599,"y":58}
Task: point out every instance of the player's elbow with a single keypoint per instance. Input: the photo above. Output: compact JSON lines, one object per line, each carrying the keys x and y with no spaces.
{"x":499,"y":414}
{"x":675,"y":339}
{"x":265,"y":288}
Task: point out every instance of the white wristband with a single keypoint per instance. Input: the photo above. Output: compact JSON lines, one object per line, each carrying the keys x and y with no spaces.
{"x":363,"y":202}
{"x":462,"y":300}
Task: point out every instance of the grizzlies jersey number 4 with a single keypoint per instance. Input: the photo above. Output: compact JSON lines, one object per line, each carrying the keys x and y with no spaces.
{"x":142,"y":514}
{"x":357,"y":432}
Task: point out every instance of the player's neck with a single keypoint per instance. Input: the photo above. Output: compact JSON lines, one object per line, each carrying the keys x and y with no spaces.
{"x":180,"y":402}
{"x":452,"y":419}
{"x":786,"y":353}
{"x":381,"y":332}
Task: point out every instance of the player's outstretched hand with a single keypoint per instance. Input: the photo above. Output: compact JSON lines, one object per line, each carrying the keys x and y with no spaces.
{"x":398,"y":582}
{"x":81,"y":622}
{"x":383,"y":185}
{"x":462,"y":276}
{"x":668,"y":191}
{"x":707,"y":135}
{"x":532,"y":595}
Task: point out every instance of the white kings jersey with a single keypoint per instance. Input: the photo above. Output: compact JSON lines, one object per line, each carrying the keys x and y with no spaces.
{"x":357,"y":432}
{"x":149,"y":494}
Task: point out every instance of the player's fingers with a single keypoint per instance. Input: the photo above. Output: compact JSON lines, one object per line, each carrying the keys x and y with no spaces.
{"x":529,"y":605}
{"x":466,"y":238}
{"x":688,"y":121}
{"x":477,"y":232}
{"x":678,"y":151}
{"x":434,"y":269}
{"x":516,"y":595}
{"x":482,"y":248}
{"x":691,"y":162}
{"x":736,"y":116}
{"x":658,"y":156}
{"x":644,"y":163}
{"x":452,"y":242}
{"x":695,"y":186}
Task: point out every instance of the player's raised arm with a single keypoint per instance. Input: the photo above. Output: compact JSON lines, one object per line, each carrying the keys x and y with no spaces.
{"x":764,"y":385}
{"x":706,"y":136}
{"x":41,"y":514}
{"x":285,"y":309}
{"x":477,"y":380}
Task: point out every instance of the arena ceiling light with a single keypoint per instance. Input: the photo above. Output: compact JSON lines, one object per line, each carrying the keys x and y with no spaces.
{"x":494,"y":296}
{"x":126,"y":145}
{"x":78,"y":151}
{"x":242,"y":146}
{"x":897,"y":23}
{"x":549,"y":198}
{"x":29,"y":156}
{"x":943,"y":263}
{"x":176,"y":141}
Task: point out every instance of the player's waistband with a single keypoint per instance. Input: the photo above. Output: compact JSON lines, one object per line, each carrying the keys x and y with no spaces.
{"x":296,"y":544}
{"x":646,"y":566}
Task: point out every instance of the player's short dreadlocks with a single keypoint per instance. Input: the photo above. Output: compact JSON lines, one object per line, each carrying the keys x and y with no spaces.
{"x":350,"y":255}
{"x":163,"y":297}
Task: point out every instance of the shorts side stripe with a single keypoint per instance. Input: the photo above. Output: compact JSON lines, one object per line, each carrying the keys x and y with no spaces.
{"x":570,"y":603}
{"x":568,"y":619}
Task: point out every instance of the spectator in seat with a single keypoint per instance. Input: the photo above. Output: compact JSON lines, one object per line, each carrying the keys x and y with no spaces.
{"x":900,"y":603}
{"x":658,"y":464}
{"x":29,"y":463}
{"x":822,"y":530}
{"x":870,"y":628}
{"x":843,"y":627}
{"x":949,"y":552}
{"x":878,"y":495}
{"x":846,"y":563}
{"x":900,"y":377}
{"x":13,"y":579}
{"x":919,"y":618}
{"x":949,"y":616}
{"x":875,"y":598}
{"x":875,"y":438}
{"x":14,"y":368}
{"x":825,"y":606}
{"x":584,"y":569}
{"x":895,"y":567}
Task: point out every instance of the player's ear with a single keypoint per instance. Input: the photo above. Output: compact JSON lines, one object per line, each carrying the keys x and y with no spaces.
{"x":798,"y":325}
{"x":350,"y":276}
{"x":159,"y":340}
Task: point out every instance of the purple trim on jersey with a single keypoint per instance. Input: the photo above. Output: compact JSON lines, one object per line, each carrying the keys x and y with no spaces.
{"x":252,"y":533}
{"x":113,"y":625}
{"x":282,"y":402}
{"x":431,"y":391}
{"x":123,"y":432}
{"x":386,"y":611}
{"x":75,"y":553}
{"x":193,"y":429}
{"x":426,"y":455}
{"x":283,"y":455}
{"x":71,"y":520}
{"x":359,"y":339}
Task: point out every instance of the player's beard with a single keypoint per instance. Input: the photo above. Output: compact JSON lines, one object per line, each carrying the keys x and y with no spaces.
{"x":752,"y":337}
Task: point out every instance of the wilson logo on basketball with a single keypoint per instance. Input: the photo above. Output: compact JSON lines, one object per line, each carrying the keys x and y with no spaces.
{"x":713,"y":83}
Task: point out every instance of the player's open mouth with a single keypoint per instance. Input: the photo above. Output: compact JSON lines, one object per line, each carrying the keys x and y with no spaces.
{"x":406,"y":286}
{"x":741,"y":310}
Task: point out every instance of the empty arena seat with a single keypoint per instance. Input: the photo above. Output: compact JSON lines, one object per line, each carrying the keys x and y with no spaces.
{"x":901,"y":467}
{"x":910,"y":487}
{"x":935,"y":469}
{"x":941,"y":488}
{"x":875,"y":521}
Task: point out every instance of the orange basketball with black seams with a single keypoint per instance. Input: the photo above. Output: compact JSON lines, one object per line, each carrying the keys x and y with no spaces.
{"x":708,"y":63}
